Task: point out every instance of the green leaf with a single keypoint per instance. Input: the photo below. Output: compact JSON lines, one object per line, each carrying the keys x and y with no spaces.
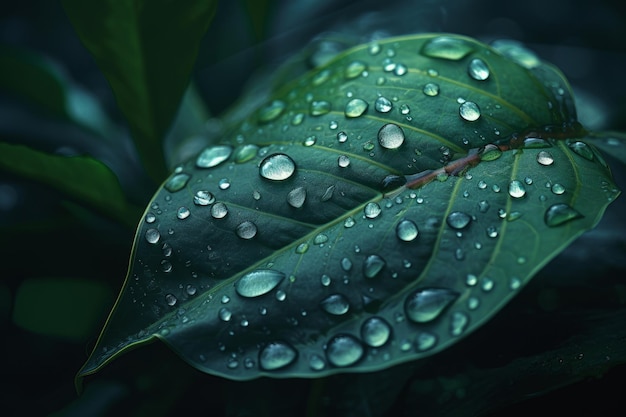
{"x":375,"y":211}
{"x":147,"y":50}
{"x":81,"y":178}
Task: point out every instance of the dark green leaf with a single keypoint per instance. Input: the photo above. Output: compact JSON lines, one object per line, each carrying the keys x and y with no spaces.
{"x":375,"y":211}
{"x":81,"y":178}
{"x":613,"y":143}
{"x":147,"y":50}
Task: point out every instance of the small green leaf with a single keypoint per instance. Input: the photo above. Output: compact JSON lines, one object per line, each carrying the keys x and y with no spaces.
{"x":375,"y":211}
{"x":81,"y":178}
{"x":147,"y":50}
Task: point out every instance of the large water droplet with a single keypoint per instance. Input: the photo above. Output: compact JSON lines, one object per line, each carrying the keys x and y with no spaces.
{"x":447,"y":47}
{"x":407,"y":230}
{"x":427,"y":304}
{"x":152,"y":236}
{"x":344,"y":350}
{"x":355,"y":107}
{"x":469,"y":111}
{"x":319,"y":108}
{"x":375,"y":331}
{"x":390,"y":136}
{"x":557,"y":189}
{"x":383,"y":105}
{"x":354,"y":69}
{"x":581,"y":149}
{"x":170,"y":299}
{"x":245,"y":153}
{"x":259,"y":282}
{"x":478,"y":70}
{"x":225,"y":314}
{"x":558,"y":214}
{"x":372,"y":210}
{"x":517,"y":189}
{"x":458,"y":220}
{"x":219,"y":210}
{"x":182,"y":213}
{"x":176,"y":182}
{"x":296,"y":197}
{"x":372,"y":265}
{"x":431,"y":89}
{"x":271,"y":111}
{"x":277,"y":167}
{"x":343,"y":161}
{"x":203,"y":198}
{"x":276,"y":355}
{"x":545,"y":158}
{"x":335,"y":304}
{"x":213,"y":156}
{"x":246,"y":230}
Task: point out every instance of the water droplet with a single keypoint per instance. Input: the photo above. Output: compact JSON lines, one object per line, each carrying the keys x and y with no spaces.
{"x":517,"y":53}
{"x":259,"y":282}
{"x":344,"y":350}
{"x":482,"y":184}
{"x":191,"y":290}
{"x":458,"y":220}
{"x":150,"y":218}
{"x":558,"y":189}
{"x":167,"y":250}
{"x":495,"y":188}
{"x":296,"y":197}
{"x":390,"y":136}
{"x":405,"y":109}
{"x":166,"y":265}
{"x":471,"y":280}
{"x":372,"y":265}
{"x":372,"y":210}
{"x":375,"y":331}
{"x":346,"y":264}
{"x":425,"y":341}
{"x":383,"y":105}
{"x":400,"y":69}
{"x":320,"y":239}
{"x":342,"y":137}
{"x":458,"y":323}
{"x":343,"y":161}
{"x":245,"y":153}
{"x":328,"y":194}
{"x":349,"y":222}
{"x":333,"y":125}
{"x":297,"y":119}
{"x":316,"y":362}
{"x":487,"y":284}
{"x":559,"y":214}
{"x":246,"y":230}
{"x":170,"y":299}
{"x":581,"y":149}
{"x":302,"y":248}
{"x":183,"y":213}
{"x":431,"y":89}
{"x":276,"y":355}
{"x":374,"y":48}
{"x":406,"y":230}
{"x":490,"y":153}
{"x":219,"y":210}
{"x":224,"y":314}
{"x":203,"y":198}
{"x":319,"y":108}
{"x":277,"y":167}
{"x":473,"y":303}
{"x":176,"y":182}
{"x":355,"y":107}
{"x":281,"y":295}
{"x":310,"y":141}
{"x":427,"y":304}
{"x":483,"y":206}
{"x":325,"y":280}
{"x":224,"y":184}
{"x":478,"y":70}
{"x":447,"y":47}
{"x":335,"y":304}
{"x":271,"y":111}
{"x":545,"y":158}
{"x":213,"y":156}
{"x":517,"y":189}
{"x":368,"y":146}
{"x":354,"y":69}
{"x":152,"y":236}
{"x":320,"y":77}
{"x":492,"y":232}
{"x":388,"y":65}
{"x":469,"y":111}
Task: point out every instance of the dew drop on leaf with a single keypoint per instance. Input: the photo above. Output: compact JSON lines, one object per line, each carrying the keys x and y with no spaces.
{"x":335,"y":304}
{"x":219,"y":210}
{"x":277,"y":167}
{"x":152,"y":236}
{"x":354,"y":69}
{"x":372,"y":210}
{"x":557,"y":189}
{"x":558,"y":214}
{"x":150,"y":218}
{"x":383,"y":105}
{"x":170,"y":299}
{"x":224,"y":314}
{"x":176,"y":183}
{"x":458,"y":220}
{"x":310,"y":141}
{"x":276,"y":355}
{"x":342,"y":137}
{"x":407,"y":230}
{"x":203,"y":198}
{"x":259,"y":282}
{"x":271,"y":111}
{"x":319,"y":108}
{"x":390,"y":136}
{"x":517,"y":189}
{"x":344,"y":350}
{"x":478,"y":70}
{"x":431,"y":89}
{"x":458,"y":323}
{"x":545,"y":158}
{"x":343,"y":161}
{"x":296,"y":197}
{"x":425,"y":305}
{"x":246,"y":230}
{"x":213,"y":156}
{"x":245,"y":153}
{"x":425,"y":341}
{"x":375,"y":331}
{"x":469,"y":111}
{"x":446,"y":47}
{"x":581,"y":149}
{"x":355,"y":107}
{"x":372,"y":265}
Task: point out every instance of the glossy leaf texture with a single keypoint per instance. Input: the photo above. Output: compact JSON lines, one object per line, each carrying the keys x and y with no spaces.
{"x":375,"y":211}
{"x":137,"y":45}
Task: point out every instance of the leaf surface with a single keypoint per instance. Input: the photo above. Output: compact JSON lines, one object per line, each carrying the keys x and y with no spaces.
{"x":375,"y":211}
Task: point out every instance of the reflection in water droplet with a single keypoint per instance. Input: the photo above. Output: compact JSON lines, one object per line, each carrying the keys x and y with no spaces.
{"x":431,"y":89}
{"x":176,"y":182}
{"x":390,"y":136}
{"x":224,"y":314}
{"x":383,"y":105}
{"x":469,"y":111}
{"x":271,"y":111}
{"x":319,"y":108}
{"x":219,"y":211}
{"x":343,"y":161}
{"x":545,"y":158}
{"x":458,"y":323}
{"x":335,"y":304}
{"x":276,"y":355}
{"x":170,"y":299}
{"x":259,"y":282}
{"x":372,"y":210}
{"x":246,"y":230}
{"x":517,"y":189}
{"x":296,"y":197}
{"x":458,"y":220}
{"x":213,"y":156}
{"x":447,"y":47}
{"x":354,"y":69}
{"x":375,"y":331}
{"x":406,"y":230}
{"x":344,"y":350}
{"x":203,"y":198}
{"x":372,"y":265}
{"x":277,"y":167}
{"x":152,"y":236}
{"x":559,"y":214}
{"x":427,"y":304}
{"x":478,"y":70}
{"x":355,"y":107}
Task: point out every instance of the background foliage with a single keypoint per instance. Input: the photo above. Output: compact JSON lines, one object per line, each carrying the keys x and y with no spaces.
{"x":63,"y":263}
